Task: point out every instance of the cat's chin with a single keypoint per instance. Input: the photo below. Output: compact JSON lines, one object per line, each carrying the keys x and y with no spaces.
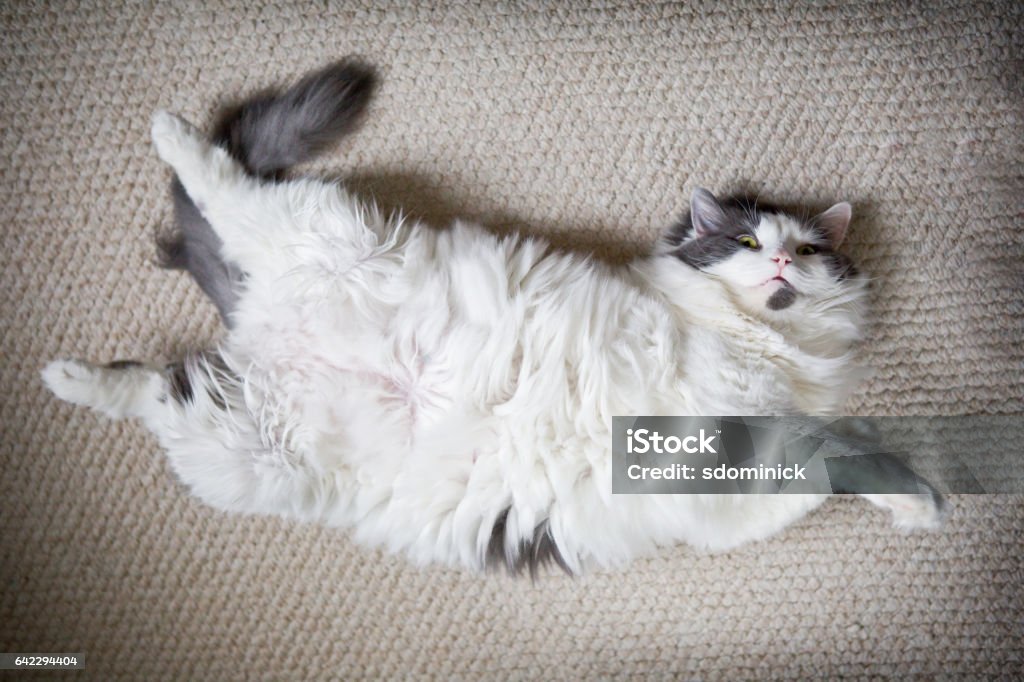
{"x":783,"y":297}
{"x":772,"y":296}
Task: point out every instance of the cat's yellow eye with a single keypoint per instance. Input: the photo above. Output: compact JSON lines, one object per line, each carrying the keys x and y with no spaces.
{"x":748,"y":241}
{"x":806,"y":250}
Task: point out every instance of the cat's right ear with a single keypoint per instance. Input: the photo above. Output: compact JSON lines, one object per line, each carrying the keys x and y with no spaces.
{"x":706,"y":213}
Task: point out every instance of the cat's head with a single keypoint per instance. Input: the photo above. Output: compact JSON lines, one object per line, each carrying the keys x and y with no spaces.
{"x":772,"y":260}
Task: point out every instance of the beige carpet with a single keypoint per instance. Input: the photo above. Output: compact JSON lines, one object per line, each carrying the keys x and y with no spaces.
{"x":590,"y":122}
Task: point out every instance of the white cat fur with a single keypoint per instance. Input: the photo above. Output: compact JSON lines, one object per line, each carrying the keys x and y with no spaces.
{"x":415,"y":384}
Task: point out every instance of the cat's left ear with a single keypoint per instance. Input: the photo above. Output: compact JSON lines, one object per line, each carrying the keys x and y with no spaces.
{"x":706,"y":213}
{"x":834,"y":222}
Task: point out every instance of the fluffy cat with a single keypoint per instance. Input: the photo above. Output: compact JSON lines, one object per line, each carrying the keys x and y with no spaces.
{"x":449,"y":393}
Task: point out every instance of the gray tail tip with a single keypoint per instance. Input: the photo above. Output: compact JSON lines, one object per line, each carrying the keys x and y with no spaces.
{"x":354,"y":78}
{"x":171,"y":251}
{"x":277,"y":129}
{"x":353,"y":69}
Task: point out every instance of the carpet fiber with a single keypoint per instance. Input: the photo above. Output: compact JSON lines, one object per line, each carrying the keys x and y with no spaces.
{"x":589,"y":122}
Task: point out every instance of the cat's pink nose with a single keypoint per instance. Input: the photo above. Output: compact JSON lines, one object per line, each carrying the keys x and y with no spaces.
{"x":782,"y":258}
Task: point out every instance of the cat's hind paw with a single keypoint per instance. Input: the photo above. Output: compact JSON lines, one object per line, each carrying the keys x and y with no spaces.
{"x":72,"y":380}
{"x":119,"y":389}
{"x":174,"y":137}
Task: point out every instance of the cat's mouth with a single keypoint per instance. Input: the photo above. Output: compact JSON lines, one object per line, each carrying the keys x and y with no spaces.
{"x":783,"y":296}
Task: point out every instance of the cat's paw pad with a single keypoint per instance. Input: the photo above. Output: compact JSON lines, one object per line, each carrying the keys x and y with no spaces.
{"x":170,"y":134}
{"x":925,"y":511}
{"x":71,"y":380}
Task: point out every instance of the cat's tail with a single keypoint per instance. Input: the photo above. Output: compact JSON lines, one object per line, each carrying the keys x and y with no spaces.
{"x":268,"y":134}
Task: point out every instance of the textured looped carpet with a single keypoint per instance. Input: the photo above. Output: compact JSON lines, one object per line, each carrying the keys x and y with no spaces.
{"x":589,"y":122}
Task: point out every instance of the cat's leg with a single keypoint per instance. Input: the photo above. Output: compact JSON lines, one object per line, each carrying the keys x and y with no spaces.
{"x":886,"y":482}
{"x":254,"y":220}
{"x":235,"y":204}
{"x":119,"y":389}
{"x":912,"y":511}
{"x":198,"y":412}
{"x":266,"y":228}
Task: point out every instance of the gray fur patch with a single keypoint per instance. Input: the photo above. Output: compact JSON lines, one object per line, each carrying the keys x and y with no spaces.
{"x":742,"y":217}
{"x":195,"y":247}
{"x":529,"y":554}
{"x":123,"y":364}
{"x":879,"y":472}
{"x":196,"y":372}
{"x":782,"y":298}
{"x":179,"y":384}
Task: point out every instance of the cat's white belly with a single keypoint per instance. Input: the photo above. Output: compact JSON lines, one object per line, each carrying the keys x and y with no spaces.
{"x":437,"y":399}
{"x":416,"y":431}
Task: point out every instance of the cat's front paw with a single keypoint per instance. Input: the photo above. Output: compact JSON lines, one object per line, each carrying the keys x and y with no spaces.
{"x":171,"y":135}
{"x":71,"y":380}
{"x":925,"y":511}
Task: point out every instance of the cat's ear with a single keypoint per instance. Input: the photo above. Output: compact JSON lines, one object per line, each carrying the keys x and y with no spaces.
{"x":834,"y":222}
{"x":706,"y":213}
